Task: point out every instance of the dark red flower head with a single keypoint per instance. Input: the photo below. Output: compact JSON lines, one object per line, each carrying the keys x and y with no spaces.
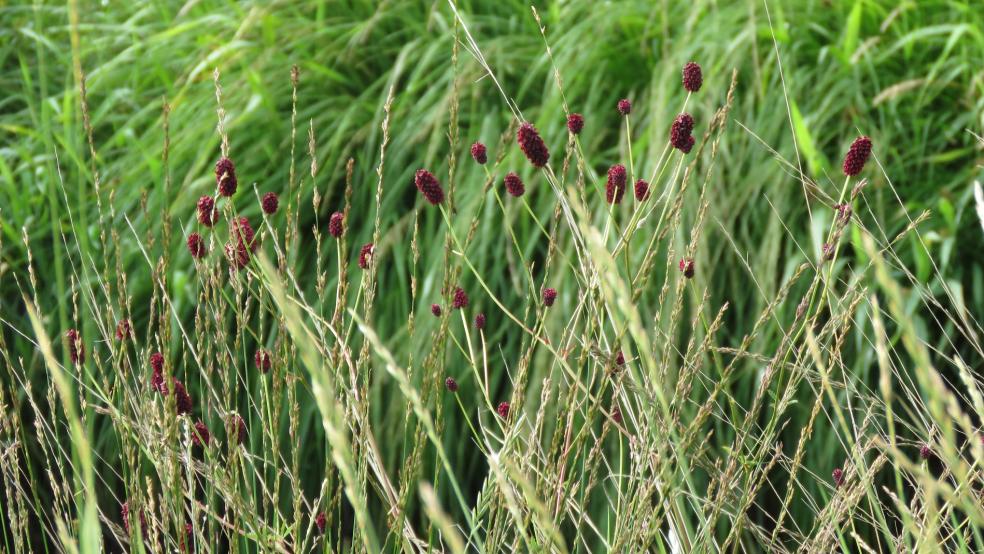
{"x":687,"y":267}
{"x":619,"y":360}
{"x":225,"y":177}
{"x":428,"y":186}
{"x":575,"y":122}
{"x":335,"y":224}
{"x":125,"y":515}
{"x":857,"y":155}
{"x":503,"y":410}
{"x":615,"y":187}
{"x":196,"y":245}
{"x":436,"y":310}
{"x":838,"y":475}
{"x":549,"y":295}
{"x":243,"y":233}
{"x":480,"y":321}
{"x":321,"y":521}
{"x":460,"y":299}
{"x":182,"y":400}
{"x":479,"y":153}
{"x":641,"y":190}
{"x":239,"y":428}
{"x":925,"y":451}
{"x":76,"y":350}
{"x":624,"y":106}
{"x":237,"y":254}
{"x":157,"y":381}
{"x":123,"y":329}
{"x":263,"y":360}
{"x":451,"y":384}
{"x":680,"y":132}
{"x":365,"y":255}
{"x":514,"y":185}
{"x":269,"y":203}
{"x":686,"y":148}
{"x":206,"y":211}
{"x":616,"y":414}
{"x":532,"y":145}
{"x":157,"y":362}
{"x":200,"y":435}
{"x":692,"y":77}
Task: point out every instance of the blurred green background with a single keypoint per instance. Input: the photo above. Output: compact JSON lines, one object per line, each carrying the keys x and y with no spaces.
{"x":909,"y":74}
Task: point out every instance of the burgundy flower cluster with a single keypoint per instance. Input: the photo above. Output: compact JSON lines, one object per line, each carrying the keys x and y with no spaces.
{"x":532,"y":145}
{"x":681,"y":136}
{"x":615,"y":187}
{"x":857,"y":156}
{"x":428,"y":186}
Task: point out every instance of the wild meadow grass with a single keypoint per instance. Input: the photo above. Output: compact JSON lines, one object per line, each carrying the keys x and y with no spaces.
{"x":476,"y":277}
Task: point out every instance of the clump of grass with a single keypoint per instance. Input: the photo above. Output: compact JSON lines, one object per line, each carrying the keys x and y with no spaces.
{"x":614,"y":421}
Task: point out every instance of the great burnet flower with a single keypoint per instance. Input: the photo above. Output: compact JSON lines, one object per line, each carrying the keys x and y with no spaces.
{"x":532,"y":145}
{"x":335,"y":224}
{"x":503,"y":410}
{"x":206,"y":211}
{"x":200,"y":435}
{"x":76,"y":350}
{"x":680,"y":132}
{"x":479,"y":153}
{"x":624,"y":106}
{"x":123,"y":329}
{"x":687,"y":267}
{"x":615,"y":187}
{"x":451,"y":384}
{"x":263,"y":360}
{"x":480,"y":321}
{"x":641,"y":190}
{"x":460,"y":299}
{"x":365,"y":255}
{"x":125,"y":515}
{"x":269,"y":203}
{"x":616,"y":414}
{"x":436,"y":310}
{"x":549,"y":296}
{"x":857,"y":155}
{"x":182,"y":400}
{"x":838,"y":476}
{"x":692,"y":77}
{"x":225,"y":177}
{"x":239,"y":428}
{"x":196,"y":245}
{"x":575,"y":122}
{"x":514,"y":185}
{"x":242,"y":243}
{"x":925,"y":451}
{"x":428,"y":186}
{"x":321,"y":521}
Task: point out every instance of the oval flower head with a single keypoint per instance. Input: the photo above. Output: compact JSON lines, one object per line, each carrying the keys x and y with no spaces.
{"x":532,"y":145}
{"x":428,"y":186}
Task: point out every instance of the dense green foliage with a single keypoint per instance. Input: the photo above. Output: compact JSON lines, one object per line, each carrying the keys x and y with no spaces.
{"x":908,"y":74}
